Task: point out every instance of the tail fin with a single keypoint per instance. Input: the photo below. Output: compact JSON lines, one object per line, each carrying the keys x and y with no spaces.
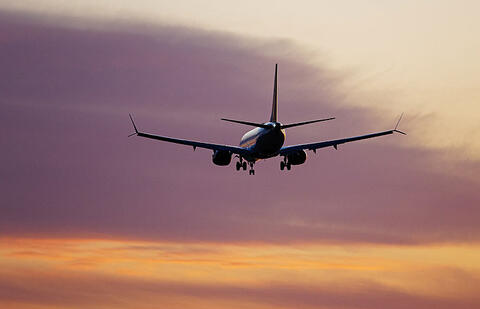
{"x":273,"y":116}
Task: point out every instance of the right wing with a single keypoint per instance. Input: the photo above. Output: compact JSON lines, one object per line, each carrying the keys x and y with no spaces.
{"x":233,"y":149}
{"x":334,"y":143}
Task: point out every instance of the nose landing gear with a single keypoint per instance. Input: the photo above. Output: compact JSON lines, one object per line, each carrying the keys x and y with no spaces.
{"x":251,"y":171}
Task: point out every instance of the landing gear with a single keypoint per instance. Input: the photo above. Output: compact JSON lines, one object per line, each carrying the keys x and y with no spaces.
{"x":241,"y":165}
{"x":251,"y":171}
{"x":284,"y":164}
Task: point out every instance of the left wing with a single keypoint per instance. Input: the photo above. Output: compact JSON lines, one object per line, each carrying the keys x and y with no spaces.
{"x":336,"y":142}
{"x":233,"y":149}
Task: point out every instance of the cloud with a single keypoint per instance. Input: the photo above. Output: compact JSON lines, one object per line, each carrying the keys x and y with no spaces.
{"x":75,"y":290}
{"x":68,"y":169}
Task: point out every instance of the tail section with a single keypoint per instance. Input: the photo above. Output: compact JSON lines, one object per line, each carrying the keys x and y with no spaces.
{"x":273,"y":116}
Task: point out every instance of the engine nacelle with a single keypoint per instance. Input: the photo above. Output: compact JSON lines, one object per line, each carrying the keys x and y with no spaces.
{"x":222,"y":157}
{"x":297,"y":158}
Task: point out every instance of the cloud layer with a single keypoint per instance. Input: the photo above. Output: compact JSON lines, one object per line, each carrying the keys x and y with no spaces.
{"x":79,"y":290}
{"x":69,"y":170}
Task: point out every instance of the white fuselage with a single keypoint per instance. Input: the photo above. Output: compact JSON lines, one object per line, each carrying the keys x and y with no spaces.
{"x":264,"y":143}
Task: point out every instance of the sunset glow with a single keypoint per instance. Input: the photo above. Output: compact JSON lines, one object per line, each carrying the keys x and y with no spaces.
{"x":170,"y":270}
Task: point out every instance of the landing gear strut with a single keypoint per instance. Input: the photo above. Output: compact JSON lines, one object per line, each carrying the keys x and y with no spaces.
{"x":284,"y":164}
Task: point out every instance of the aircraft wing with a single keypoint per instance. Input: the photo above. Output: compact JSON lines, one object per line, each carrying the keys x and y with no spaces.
{"x":333,"y":143}
{"x":194,"y":144}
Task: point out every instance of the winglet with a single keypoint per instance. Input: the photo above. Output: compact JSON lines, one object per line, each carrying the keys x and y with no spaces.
{"x":134,"y":126}
{"x":396,"y":126}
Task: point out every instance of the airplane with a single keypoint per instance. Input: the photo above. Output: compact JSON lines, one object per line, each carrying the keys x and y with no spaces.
{"x":265,"y":141}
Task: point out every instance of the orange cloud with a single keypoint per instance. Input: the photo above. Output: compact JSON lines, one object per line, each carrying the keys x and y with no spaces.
{"x":91,"y":290}
{"x":74,"y":273}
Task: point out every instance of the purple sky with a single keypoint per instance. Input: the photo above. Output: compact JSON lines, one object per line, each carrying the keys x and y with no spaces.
{"x":68,"y":168}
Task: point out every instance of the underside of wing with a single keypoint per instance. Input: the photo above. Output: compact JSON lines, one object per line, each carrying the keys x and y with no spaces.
{"x":233,"y":149}
{"x":334,"y":143}
{"x":195,"y":144}
{"x":331,"y":143}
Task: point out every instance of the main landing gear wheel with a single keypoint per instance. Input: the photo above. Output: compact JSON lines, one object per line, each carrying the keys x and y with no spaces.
{"x":241,"y":165}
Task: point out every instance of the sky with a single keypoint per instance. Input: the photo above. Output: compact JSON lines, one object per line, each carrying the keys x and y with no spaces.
{"x":92,"y":219}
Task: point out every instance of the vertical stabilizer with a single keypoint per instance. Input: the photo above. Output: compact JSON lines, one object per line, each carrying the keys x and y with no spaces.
{"x":273,"y":116}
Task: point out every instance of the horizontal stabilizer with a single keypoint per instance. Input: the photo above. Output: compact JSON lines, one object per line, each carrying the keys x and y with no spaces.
{"x":285,"y":126}
{"x":253,"y":124}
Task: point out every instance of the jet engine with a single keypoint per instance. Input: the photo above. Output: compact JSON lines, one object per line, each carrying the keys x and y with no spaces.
{"x":222,"y":157}
{"x":297,"y":158}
